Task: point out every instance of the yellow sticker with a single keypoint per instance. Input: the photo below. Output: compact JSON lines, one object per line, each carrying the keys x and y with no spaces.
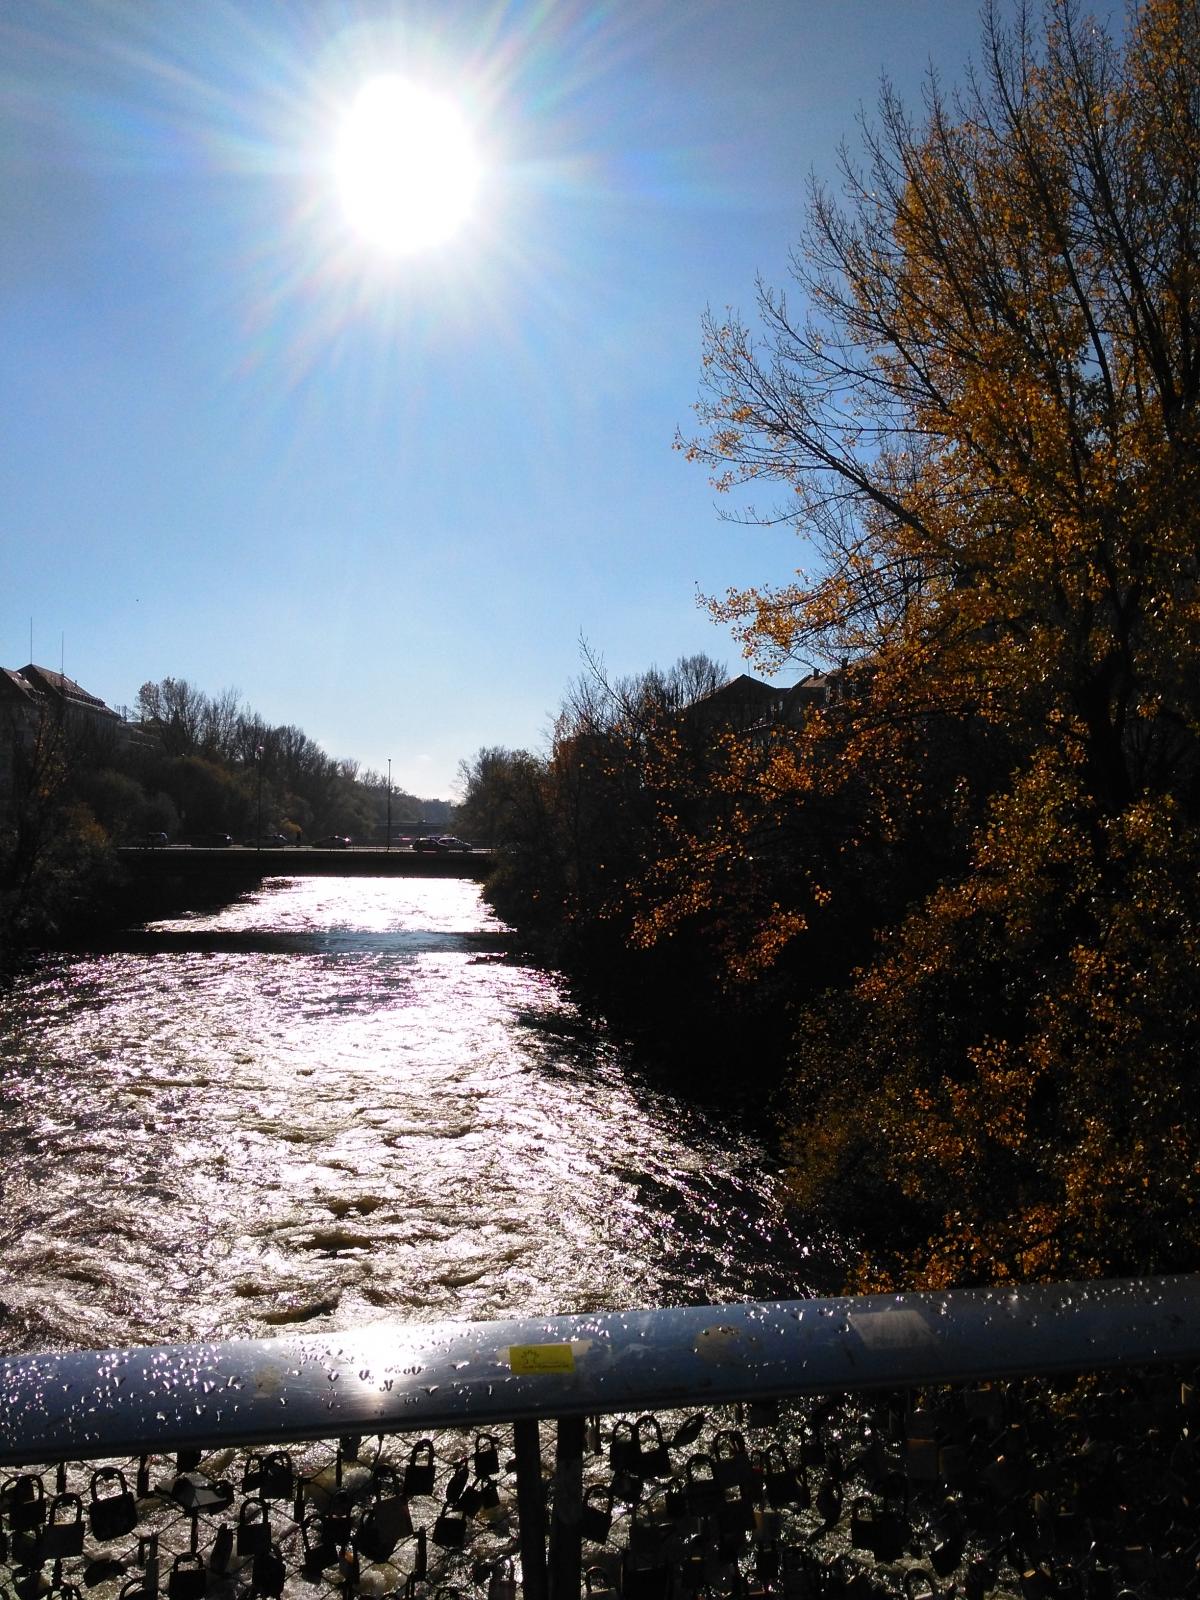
{"x":531,"y":1358}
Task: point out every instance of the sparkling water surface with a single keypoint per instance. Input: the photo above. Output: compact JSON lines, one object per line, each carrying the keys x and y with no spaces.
{"x":364,"y":1110}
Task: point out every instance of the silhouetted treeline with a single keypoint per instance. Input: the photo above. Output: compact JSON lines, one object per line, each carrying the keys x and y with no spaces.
{"x":191,"y":766}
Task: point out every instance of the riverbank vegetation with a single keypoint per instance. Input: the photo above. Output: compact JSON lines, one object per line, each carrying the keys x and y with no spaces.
{"x":947,"y":916}
{"x":191,"y":766}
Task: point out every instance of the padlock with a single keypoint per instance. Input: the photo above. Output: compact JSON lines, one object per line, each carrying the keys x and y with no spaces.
{"x":268,"y":1573}
{"x":61,"y":1536}
{"x":732,"y":1467}
{"x":420,"y":1472}
{"x":272,"y":1476}
{"x":595,"y":1518}
{"x":222,"y":1551}
{"x":701,"y":1489}
{"x":781,"y":1483}
{"x":674,"y":1498}
{"x":348,"y":1568}
{"x":486,"y":1460}
{"x":644,"y":1577}
{"x":688,"y":1431}
{"x":651,"y":1458}
{"x":621,"y":1449}
{"x":188,"y":1460}
{"x":862,"y":1523}
{"x":449,"y":1528}
{"x":194,"y":1492}
{"x":337,"y":1521}
{"x":735,"y":1512}
{"x":320,"y":1550}
{"x":502,"y":1585}
{"x":648,"y":1532}
{"x":456,"y":1485}
{"x":812,"y":1447}
{"x":253,"y":1527}
{"x":111,"y":1516}
{"x":188,"y":1577}
{"x":597,"y":1585}
{"x":386,"y":1520}
{"x":25,"y":1502}
{"x":471,"y":1499}
{"x":489,"y":1497}
{"x":828,"y":1499}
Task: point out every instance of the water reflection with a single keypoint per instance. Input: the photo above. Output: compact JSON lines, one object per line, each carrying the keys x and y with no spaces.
{"x":377,"y":1117}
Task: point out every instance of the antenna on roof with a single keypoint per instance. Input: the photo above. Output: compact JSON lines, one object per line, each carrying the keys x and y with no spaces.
{"x":62,"y":655}
{"x":31,"y":639}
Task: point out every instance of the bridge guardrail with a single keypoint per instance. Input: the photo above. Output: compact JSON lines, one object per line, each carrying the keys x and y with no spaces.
{"x":686,"y":1513}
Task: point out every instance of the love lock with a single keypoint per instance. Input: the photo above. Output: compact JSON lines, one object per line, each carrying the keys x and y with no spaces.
{"x":596,"y":1516}
{"x":651,"y":1458}
{"x":386,"y":1520}
{"x":320,"y":1550}
{"x":111,"y":1516}
{"x":688,"y":1431}
{"x":622,"y":1453}
{"x":194,"y":1492}
{"x":421,"y":1470}
{"x":732,"y":1466}
{"x":253,"y":1527}
{"x":701,"y":1490}
{"x":486,"y":1456}
{"x":61,"y":1536}
{"x":502,"y":1585}
{"x":338,"y":1520}
{"x":597,"y":1585}
{"x":779,"y":1479}
{"x":450,"y":1528}
{"x":268,"y":1573}
{"x":273,"y":1475}
{"x":188,"y":1577}
{"x":457,"y":1484}
{"x":735,"y":1511}
{"x":25,"y":1502}
{"x":644,"y":1577}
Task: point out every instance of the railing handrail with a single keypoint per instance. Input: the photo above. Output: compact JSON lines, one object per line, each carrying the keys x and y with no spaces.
{"x":408,"y":1377}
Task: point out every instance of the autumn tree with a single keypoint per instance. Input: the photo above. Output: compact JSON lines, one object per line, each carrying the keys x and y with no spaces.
{"x":980,"y":407}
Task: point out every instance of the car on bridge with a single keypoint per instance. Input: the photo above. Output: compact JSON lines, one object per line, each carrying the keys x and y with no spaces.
{"x":333,"y":841}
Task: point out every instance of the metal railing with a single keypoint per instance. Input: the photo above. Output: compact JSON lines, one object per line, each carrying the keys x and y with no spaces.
{"x":730,"y":1503}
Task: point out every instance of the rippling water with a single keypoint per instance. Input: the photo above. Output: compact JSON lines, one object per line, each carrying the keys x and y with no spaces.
{"x":349,"y":1107}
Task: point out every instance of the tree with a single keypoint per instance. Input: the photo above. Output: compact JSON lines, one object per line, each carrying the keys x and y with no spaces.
{"x":984,"y":417}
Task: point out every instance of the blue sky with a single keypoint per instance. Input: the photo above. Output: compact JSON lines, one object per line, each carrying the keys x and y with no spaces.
{"x":386,"y":498}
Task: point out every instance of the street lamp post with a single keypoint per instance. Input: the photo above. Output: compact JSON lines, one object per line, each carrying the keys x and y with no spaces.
{"x":258,"y":755}
{"x":389,"y":841}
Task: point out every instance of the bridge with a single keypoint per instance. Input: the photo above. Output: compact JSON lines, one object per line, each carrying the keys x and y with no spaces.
{"x":244,"y":864}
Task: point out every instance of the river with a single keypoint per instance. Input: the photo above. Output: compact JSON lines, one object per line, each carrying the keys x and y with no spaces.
{"x":341,"y":1100}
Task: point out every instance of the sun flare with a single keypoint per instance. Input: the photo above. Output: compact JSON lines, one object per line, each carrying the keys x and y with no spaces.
{"x":407,"y":167}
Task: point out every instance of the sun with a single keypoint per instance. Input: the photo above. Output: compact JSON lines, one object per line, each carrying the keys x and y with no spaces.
{"x":407,"y":168}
